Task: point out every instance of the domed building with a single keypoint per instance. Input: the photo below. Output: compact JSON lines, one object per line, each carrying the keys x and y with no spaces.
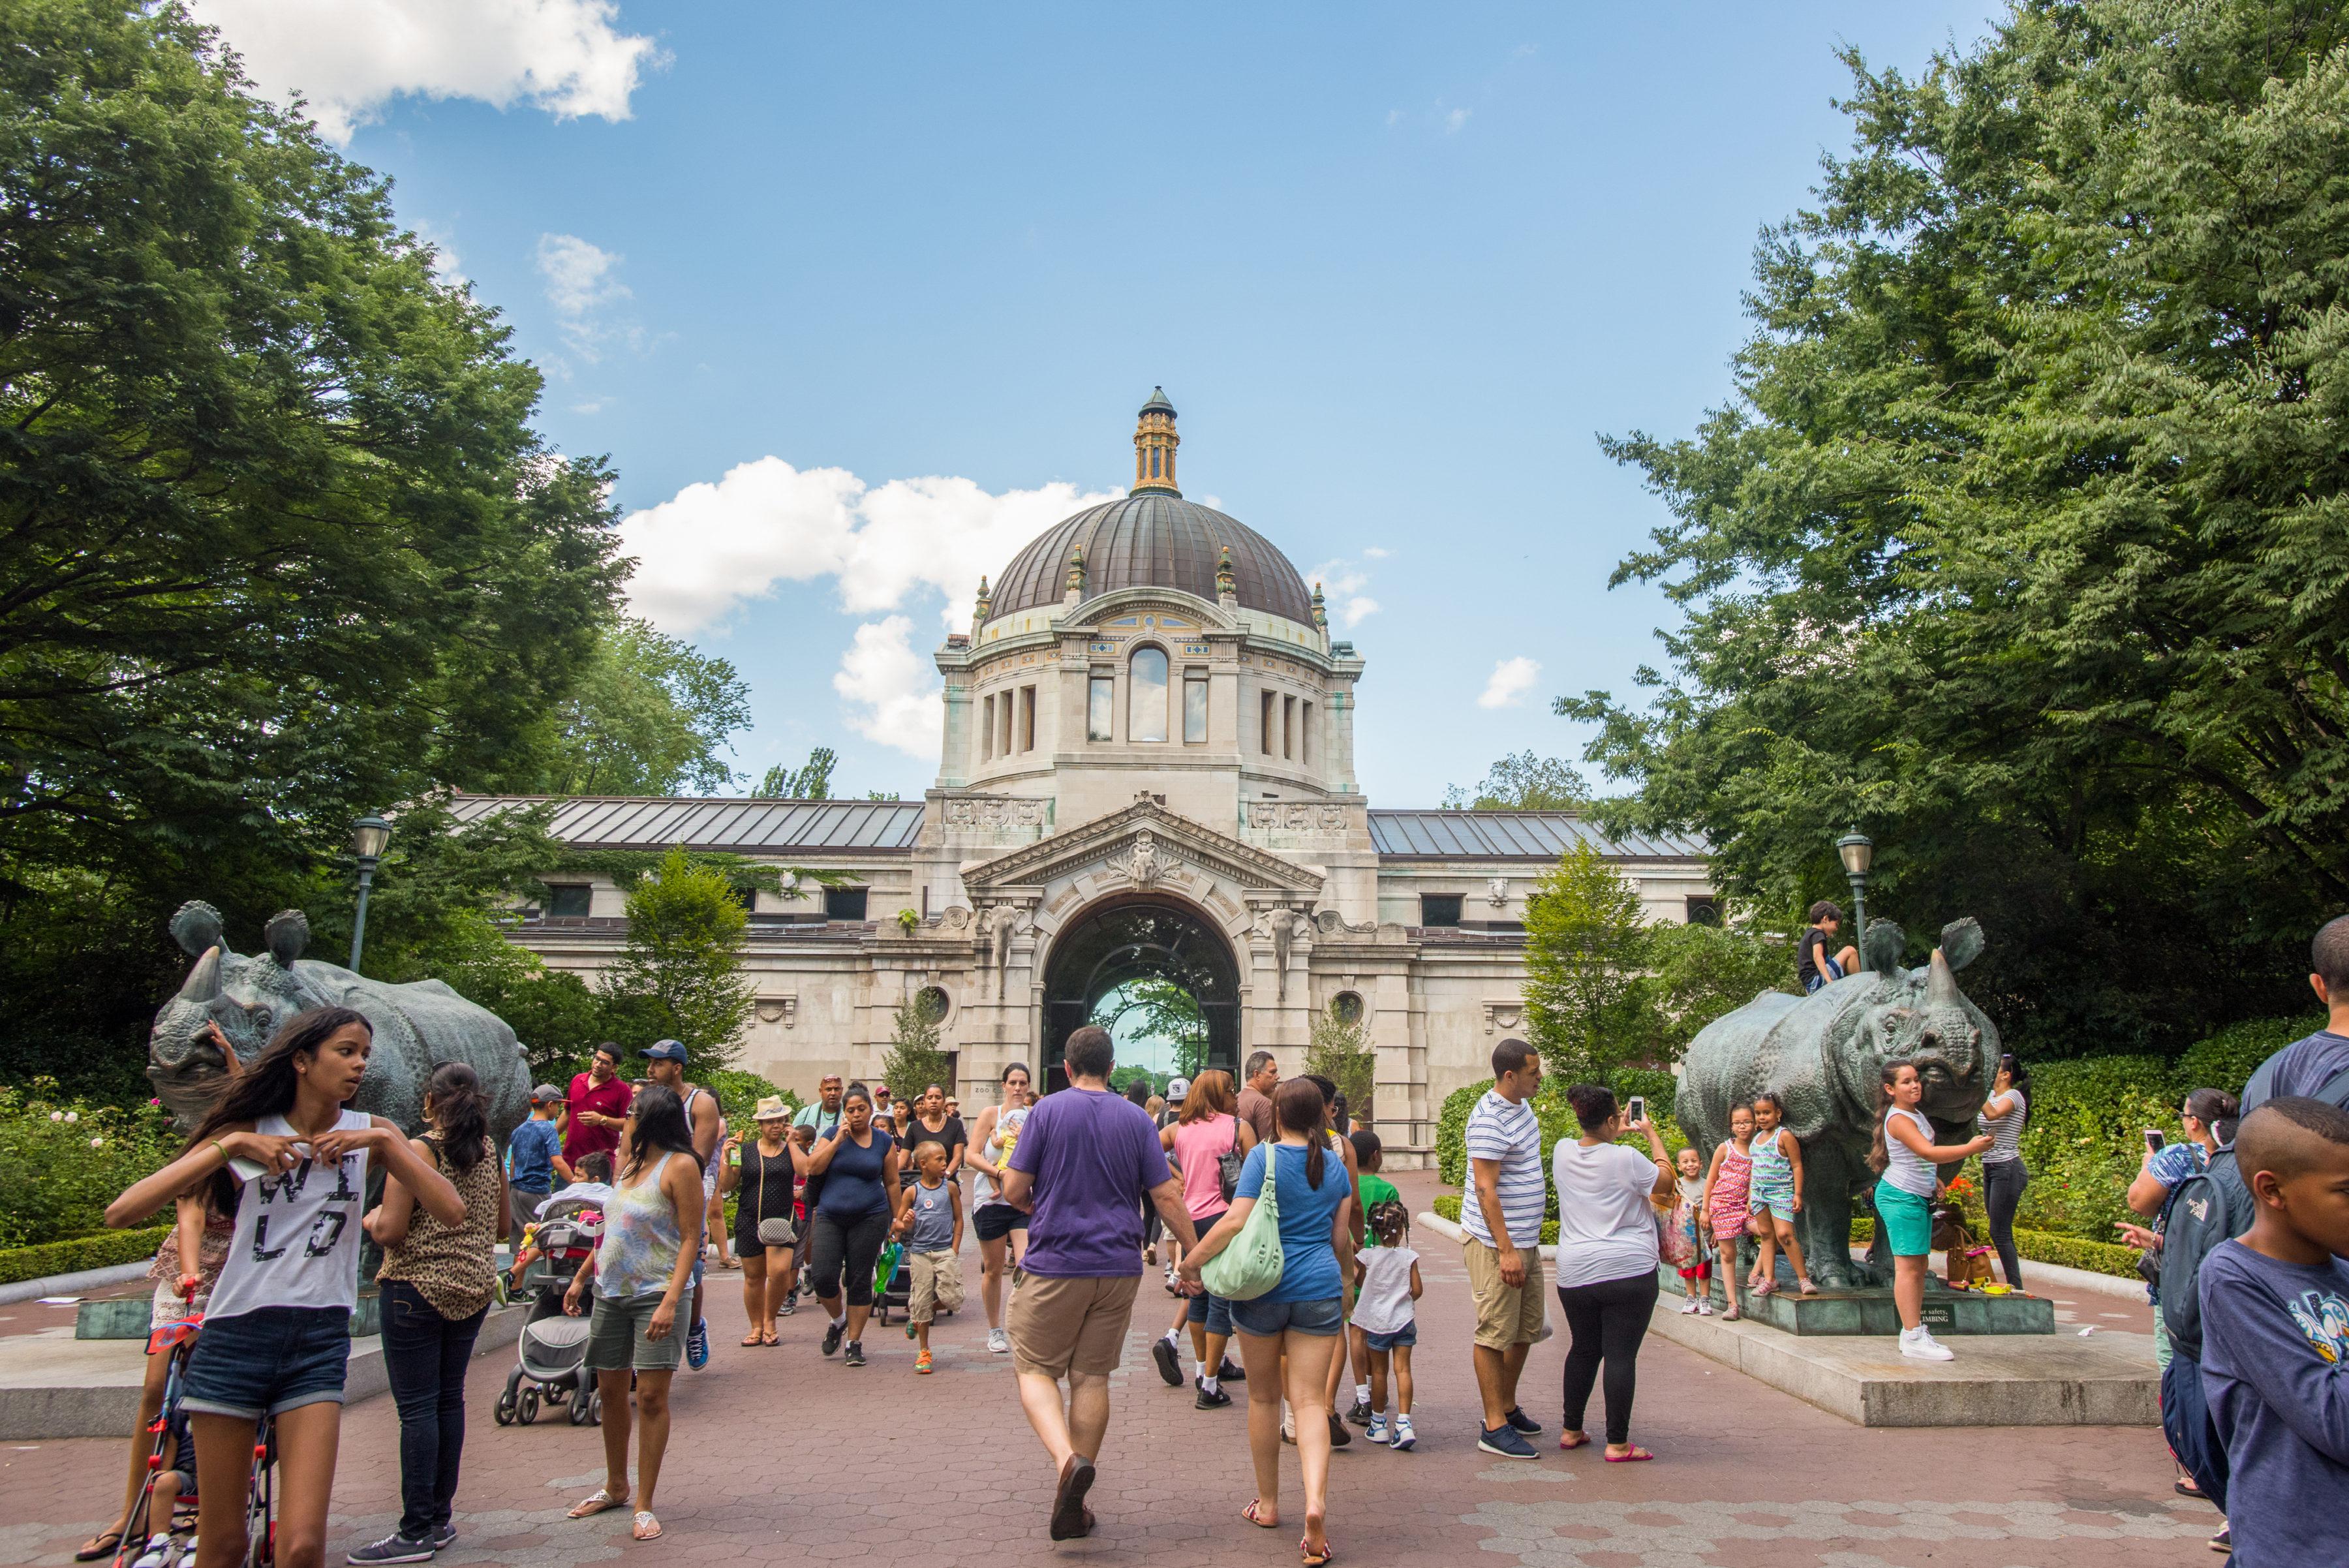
{"x":1146,"y":769}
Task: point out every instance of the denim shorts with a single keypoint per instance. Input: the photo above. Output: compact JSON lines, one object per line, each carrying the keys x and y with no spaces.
{"x":1408,"y":1334}
{"x":268,"y":1360}
{"x":1211,"y":1312}
{"x":1264,"y":1318}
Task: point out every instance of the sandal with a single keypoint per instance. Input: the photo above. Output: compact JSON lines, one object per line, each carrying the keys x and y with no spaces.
{"x":770,"y":1338}
{"x":1317,"y":1558}
{"x":105,"y":1544}
{"x":646,"y":1528}
{"x":753,"y":1339}
{"x":1569,"y":1441}
{"x":597,"y":1502}
{"x":1251,"y":1514}
{"x":1634,"y":1457}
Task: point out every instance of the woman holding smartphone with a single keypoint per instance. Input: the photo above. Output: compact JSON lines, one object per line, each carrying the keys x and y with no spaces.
{"x":277,"y":1339}
{"x":2004,"y":1176}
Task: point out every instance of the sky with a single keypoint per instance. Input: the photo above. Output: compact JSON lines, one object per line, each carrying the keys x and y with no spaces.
{"x":858,"y":299}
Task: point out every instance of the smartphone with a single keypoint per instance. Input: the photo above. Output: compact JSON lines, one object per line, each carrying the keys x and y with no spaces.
{"x":2153,"y":1140}
{"x":1636,"y":1111}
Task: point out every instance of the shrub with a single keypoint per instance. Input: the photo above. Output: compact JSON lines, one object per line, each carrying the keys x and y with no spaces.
{"x":2227,"y":1059}
{"x":102,"y":1251}
{"x":1556,"y":1120}
{"x":67,"y":1159}
{"x":738,"y":1093}
{"x":2074,"y":1252}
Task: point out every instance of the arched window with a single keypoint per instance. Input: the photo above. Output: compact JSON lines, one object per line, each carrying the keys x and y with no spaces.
{"x":1145,"y":713}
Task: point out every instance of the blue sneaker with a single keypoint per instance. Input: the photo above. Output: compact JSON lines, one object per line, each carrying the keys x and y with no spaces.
{"x":1377,"y":1432}
{"x":1504,"y":1441}
{"x":1405,"y":1439}
{"x":1521,"y":1422}
{"x":696,"y":1344}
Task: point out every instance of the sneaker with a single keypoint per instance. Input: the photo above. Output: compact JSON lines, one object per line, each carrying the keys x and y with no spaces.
{"x":392,"y":1548}
{"x":159,"y":1553}
{"x":1919,"y":1345}
{"x":1231,"y":1372}
{"x":2223,"y":1542}
{"x":1169,"y":1360}
{"x":1405,"y":1439}
{"x":1288,"y":1425}
{"x":832,"y":1336}
{"x":1209,"y":1400}
{"x":503,"y":1291}
{"x":1705,"y":1306}
{"x":855,"y":1356}
{"x":1521,"y":1422}
{"x":1339,"y":1437}
{"x":1361,"y":1414}
{"x":1506,"y":1441}
{"x":921,"y":1362}
{"x":1690,"y":1310}
{"x":999,"y":1342}
{"x":696,"y":1344}
{"x":790,"y":1304}
{"x":1376,"y":1433}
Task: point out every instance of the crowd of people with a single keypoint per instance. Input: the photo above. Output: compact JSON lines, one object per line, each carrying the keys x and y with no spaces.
{"x":1276,"y":1235}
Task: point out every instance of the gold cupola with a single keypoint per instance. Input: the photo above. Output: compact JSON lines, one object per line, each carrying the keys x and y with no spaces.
{"x":1154,"y":442}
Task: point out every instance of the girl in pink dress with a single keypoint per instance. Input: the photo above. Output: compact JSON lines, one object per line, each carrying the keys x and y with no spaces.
{"x":1726,"y":1184}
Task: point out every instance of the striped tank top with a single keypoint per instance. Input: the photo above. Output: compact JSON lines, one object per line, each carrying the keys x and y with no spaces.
{"x":2006,"y":1130}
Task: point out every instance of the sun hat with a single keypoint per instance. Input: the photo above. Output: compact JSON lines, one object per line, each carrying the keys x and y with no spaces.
{"x":772,"y":1109}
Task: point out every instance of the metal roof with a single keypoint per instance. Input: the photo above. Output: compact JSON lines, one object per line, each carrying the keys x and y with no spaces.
{"x":741,"y":826}
{"x":1513,"y":836}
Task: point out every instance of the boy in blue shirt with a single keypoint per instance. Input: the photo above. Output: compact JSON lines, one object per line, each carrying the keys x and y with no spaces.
{"x":2275,"y":1338}
{"x":534,"y":1159}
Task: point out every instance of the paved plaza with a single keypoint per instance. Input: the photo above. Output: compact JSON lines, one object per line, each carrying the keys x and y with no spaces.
{"x":780,"y":1455}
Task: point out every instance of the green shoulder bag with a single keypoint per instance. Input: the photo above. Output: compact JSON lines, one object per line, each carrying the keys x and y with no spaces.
{"x":1251,"y":1265}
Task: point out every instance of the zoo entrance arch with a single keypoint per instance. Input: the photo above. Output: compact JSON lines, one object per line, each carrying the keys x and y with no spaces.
{"x":1133,"y":938}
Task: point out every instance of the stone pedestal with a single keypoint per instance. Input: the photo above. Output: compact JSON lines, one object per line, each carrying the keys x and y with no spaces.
{"x":1869,"y":1309}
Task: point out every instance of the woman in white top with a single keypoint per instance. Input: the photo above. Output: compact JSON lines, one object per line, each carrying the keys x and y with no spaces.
{"x":1606,"y":1259}
{"x":278,"y":1338}
{"x":1907,"y":1163}
{"x":2004,"y":1176}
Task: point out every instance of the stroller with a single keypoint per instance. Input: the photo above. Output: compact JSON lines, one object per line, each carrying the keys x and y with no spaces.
{"x":551,"y":1361}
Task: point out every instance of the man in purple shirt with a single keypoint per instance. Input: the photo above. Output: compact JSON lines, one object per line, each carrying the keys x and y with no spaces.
{"x":1085,"y":1163}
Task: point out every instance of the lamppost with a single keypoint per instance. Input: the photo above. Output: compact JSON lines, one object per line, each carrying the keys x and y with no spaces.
{"x":369,"y":834}
{"x":1858,"y":852}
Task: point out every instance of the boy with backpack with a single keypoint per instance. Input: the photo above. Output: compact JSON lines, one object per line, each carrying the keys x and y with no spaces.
{"x":2274,"y":1324}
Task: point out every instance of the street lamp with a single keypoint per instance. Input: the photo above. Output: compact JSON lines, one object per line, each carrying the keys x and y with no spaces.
{"x":369,"y":834}
{"x":1858,"y":852}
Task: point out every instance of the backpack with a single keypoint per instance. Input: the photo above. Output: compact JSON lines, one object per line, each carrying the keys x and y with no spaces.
{"x":2209,"y":1207}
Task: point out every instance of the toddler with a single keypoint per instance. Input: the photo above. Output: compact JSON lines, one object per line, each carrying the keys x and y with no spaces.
{"x":1387,"y":1277}
{"x":932,"y":1228}
{"x":1776,"y":1197}
{"x":1728,"y":1183}
{"x":1688,"y":1217}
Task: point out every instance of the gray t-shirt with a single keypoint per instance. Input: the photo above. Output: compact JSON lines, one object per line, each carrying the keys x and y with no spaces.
{"x":933,"y":1218}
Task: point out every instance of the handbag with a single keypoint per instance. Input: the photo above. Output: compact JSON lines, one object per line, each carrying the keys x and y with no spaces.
{"x":1673,"y":1245}
{"x":778,"y":1232}
{"x":1251,"y":1264}
{"x":1228,"y":1164}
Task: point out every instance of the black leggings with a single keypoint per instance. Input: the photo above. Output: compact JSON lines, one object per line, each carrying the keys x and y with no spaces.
{"x":1607,"y":1321}
{"x":2002,"y":1184}
{"x":856,"y":1244}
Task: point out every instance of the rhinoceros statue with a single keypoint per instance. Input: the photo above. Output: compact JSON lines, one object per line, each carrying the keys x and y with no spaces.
{"x":418,"y":1026}
{"x":1823,"y":1055}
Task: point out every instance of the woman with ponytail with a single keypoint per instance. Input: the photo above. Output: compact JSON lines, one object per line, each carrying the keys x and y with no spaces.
{"x":1291,"y":1333}
{"x":1908,"y":1167}
{"x":437,"y":1281}
{"x":278,"y":1340}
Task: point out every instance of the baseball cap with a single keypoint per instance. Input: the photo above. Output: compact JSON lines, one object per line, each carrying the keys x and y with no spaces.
{"x":545,"y":1094}
{"x":1176,"y":1088}
{"x":666,"y":1050}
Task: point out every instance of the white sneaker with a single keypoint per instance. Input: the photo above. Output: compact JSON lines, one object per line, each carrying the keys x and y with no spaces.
{"x":1404,"y":1440}
{"x":1705,"y":1306}
{"x":1689,"y":1310}
{"x":1920,"y":1344}
{"x":159,"y":1553}
{"x":999,"y":1342}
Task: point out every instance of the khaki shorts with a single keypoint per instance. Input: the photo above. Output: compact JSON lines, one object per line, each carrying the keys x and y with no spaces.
{"x":1063,"y":1326}
{"x":936,"y":1283}
{"x":1505,"y":1316}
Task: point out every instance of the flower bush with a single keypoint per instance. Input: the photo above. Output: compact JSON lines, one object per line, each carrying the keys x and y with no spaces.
{"x":67,"y":1159}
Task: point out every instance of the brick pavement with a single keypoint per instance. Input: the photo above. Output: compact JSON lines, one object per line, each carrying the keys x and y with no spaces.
{"x":780,"y":1456}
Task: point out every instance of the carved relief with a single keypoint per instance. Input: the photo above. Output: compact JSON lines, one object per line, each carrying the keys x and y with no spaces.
{"x":995,"y":811}
{"x":1504,"y":1014}
{"x":783,"y":1010}
{"x":1496,"y":891}
{"x":1296,"y":816}
{"x":1143,"y":865}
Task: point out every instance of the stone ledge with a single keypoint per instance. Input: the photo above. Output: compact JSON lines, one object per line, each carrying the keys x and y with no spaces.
{"x":2004,"y":1381}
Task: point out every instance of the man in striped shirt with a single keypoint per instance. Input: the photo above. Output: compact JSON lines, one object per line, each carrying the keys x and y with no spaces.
{"x":1507,"y":1193}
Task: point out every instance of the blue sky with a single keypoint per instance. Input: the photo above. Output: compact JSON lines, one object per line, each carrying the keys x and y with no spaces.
{"x":857,"y":299}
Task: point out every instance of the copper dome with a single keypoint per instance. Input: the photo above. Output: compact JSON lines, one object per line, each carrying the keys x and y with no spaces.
{"x":1152,"y":539}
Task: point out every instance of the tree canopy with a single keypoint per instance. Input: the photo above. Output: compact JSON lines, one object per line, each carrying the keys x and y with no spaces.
{"x":649,"y":715}
{"x":2023,"y":543}
{"x":1524,"y":783}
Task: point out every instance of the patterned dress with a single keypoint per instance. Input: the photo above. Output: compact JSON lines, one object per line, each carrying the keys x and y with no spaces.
{"x":1729,"y":1186}
{"x":1773,"y":1188}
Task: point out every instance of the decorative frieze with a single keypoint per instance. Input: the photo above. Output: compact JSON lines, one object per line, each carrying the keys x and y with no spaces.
{"x":1295,"y":815}
{"x":995,"y":811}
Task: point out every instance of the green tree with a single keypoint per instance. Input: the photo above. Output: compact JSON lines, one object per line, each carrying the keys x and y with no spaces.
{"x":1342,"y":1052}
{"x":811,"y":782}
{"x":915,"y":1058}
{"x":1160,"y":1009}
{"x":557,"y":1018}
{"x":1523,"y":783}
{"x":649,"y":715}
{"x":2019,"y":543}
{"x":1584,"y":950}
{"x":680,"y":976}
{"x":1697,"y":974}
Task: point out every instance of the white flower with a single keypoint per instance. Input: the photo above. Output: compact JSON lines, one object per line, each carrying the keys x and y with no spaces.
{"x":56,"y":1116}
{"x":97,"y":1142}
{"x":72,"y":1117}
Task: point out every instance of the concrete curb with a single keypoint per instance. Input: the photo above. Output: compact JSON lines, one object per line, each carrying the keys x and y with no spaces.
{"x":71,"y":1284}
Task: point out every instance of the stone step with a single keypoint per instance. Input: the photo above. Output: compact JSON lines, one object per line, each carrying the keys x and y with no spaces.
{"x":1870,"y":1310}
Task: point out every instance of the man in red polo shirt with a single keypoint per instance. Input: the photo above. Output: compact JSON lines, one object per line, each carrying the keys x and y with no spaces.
{"x":597,"y":1106}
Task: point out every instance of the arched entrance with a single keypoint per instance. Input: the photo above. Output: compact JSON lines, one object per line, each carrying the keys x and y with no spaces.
{"x":1112,"y":945}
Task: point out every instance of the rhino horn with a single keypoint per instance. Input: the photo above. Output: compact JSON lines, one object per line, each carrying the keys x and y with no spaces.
{"x":204,"y":982}
{"x":1941,"y":982}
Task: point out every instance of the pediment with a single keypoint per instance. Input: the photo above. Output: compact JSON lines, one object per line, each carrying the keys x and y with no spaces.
{"x":1144,"y":843}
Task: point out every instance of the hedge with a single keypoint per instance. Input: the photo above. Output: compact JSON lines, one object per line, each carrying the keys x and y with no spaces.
{"x":1556,"y":1118}
{"x":1447,"y":1207}
{"x":102,"y":1251}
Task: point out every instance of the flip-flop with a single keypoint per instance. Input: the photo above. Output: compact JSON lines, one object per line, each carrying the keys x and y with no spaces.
{"x":753,"y":1339}
{"x":646,"y":1528}
{"x":771,"y":1339}
{"x":598,"y":1501}
{"x":1328,"y":1554}
{"x":1249,"y":1513}
{"x":1634,"y":1457}
{"x":105,"y":1544}
{"x":1569,"y":1445}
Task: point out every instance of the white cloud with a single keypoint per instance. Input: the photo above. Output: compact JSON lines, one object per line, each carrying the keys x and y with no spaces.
{"x":1356,"y":609}
{"x":1455,"y":120}
{"x":350,"y":57}
{"x":582,"y":279}
{"x":1375,"y":553}
{"x":1512,"y":678}
{"x":1342,"y":583}
{"x":446,"y":268}
{"x":895,"y":694}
